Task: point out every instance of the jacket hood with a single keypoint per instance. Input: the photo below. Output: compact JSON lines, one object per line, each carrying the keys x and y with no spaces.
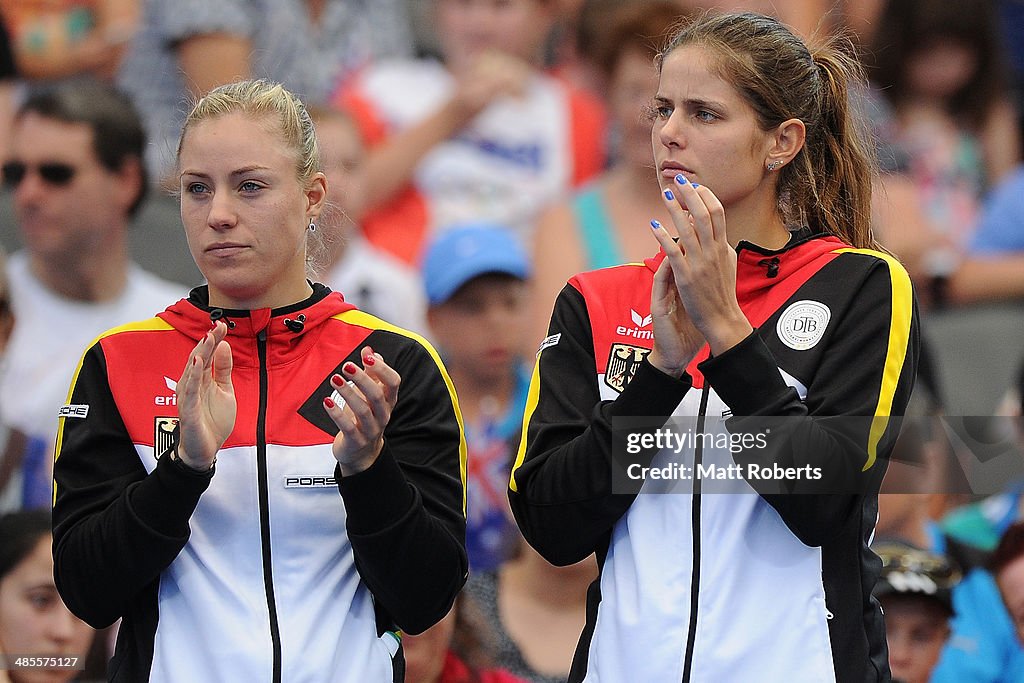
{"x":284,"y":328}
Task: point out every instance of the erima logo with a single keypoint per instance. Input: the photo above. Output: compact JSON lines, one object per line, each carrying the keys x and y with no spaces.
{"x":639,"y":322}
{"x":171,"y":400}
{"x":310,"y":481}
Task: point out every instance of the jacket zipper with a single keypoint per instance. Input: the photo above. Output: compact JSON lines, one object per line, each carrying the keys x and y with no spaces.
{"x":698,"y":453}
{"x":264,"y":493}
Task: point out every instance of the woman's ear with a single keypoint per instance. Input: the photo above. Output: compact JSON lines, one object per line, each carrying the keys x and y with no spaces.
{"x":786,"y":142}
{"x":316,"y":195}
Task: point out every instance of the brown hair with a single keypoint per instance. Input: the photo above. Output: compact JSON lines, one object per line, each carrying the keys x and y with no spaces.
{"x":908,"y":27}
{"x":639,"y":25}
{"x":828,"y":183}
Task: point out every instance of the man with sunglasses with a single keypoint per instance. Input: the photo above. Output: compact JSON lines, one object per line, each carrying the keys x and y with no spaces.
{"x":76,"y":177}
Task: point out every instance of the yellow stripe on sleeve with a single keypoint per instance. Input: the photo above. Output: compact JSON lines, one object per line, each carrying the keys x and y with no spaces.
{"x":364,"y":319}
{"x":150,"y":324}
{"x":532,"y":398}
{"x":899,"y":340}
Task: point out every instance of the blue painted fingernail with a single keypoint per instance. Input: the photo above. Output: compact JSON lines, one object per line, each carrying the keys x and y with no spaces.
{"x":695,"y":185}
{"x":669,"y":196}
{"x":655,"y":224}
{"x":680,"y":178}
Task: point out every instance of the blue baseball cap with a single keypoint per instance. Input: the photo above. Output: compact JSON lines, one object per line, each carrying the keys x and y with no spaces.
{"x":462,"y":253}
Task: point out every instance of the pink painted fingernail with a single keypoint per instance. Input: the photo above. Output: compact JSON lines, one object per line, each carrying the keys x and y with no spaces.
{"x":329,"y":402}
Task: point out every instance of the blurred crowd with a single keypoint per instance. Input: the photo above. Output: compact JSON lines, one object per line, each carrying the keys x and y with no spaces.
{"x":478,"y":154}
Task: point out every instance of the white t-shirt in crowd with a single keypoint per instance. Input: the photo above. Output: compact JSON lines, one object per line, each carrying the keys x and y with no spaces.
{"x":378,"y":283}
{"x":50,"y":335}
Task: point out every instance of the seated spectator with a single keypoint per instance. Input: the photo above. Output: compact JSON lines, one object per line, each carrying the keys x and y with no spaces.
{"x":475,"y":280}
{"x":12,"y":441}
{"x":536,"y":610}
{"x":941,"y":69}
{"x":370,"y":278}
{"x":185,"y":48}
{"x":915,"y":591}
{"x":993,"y":268}
{"x":988,"y":629}
{"x":483,"y":135}
{"x":454,"y":650}
{"x":76,"y":177}
{"x":33,"y":619}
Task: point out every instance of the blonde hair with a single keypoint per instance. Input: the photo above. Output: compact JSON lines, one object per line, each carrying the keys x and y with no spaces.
{"x":261,"y":98}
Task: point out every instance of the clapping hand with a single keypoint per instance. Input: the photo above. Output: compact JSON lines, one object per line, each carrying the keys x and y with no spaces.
{"x":368,"y":396}
{"x":206,"y":400}
{"x":703,"y":265}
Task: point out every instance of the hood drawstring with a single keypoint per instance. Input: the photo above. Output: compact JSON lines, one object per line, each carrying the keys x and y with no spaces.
{"x":218,"y":313}
{"x":297,"y":324}
{"x":772,"y":264}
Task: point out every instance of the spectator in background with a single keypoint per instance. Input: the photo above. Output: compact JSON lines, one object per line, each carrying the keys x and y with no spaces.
{"x":940,"y":67}
{"x":580,"y":34}
{"x":988,"y":629}
{"x":483,"y":135}
{"x":993,"y":268}
{"x":475,"y":278}
{"x":185,"y":48}
{"x":915,"y":590}
{"x":12,"y":441}
{"x":371,"y":279}
{"x":54,"y":40}
{"x":33,"y":619}
{"x":454,"y":650}
{"x":76,"y":174}
{"x":598,"y":226}
{"x":535,"y":611}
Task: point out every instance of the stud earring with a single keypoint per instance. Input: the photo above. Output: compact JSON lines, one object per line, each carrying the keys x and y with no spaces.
{"x":772,"y":165}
